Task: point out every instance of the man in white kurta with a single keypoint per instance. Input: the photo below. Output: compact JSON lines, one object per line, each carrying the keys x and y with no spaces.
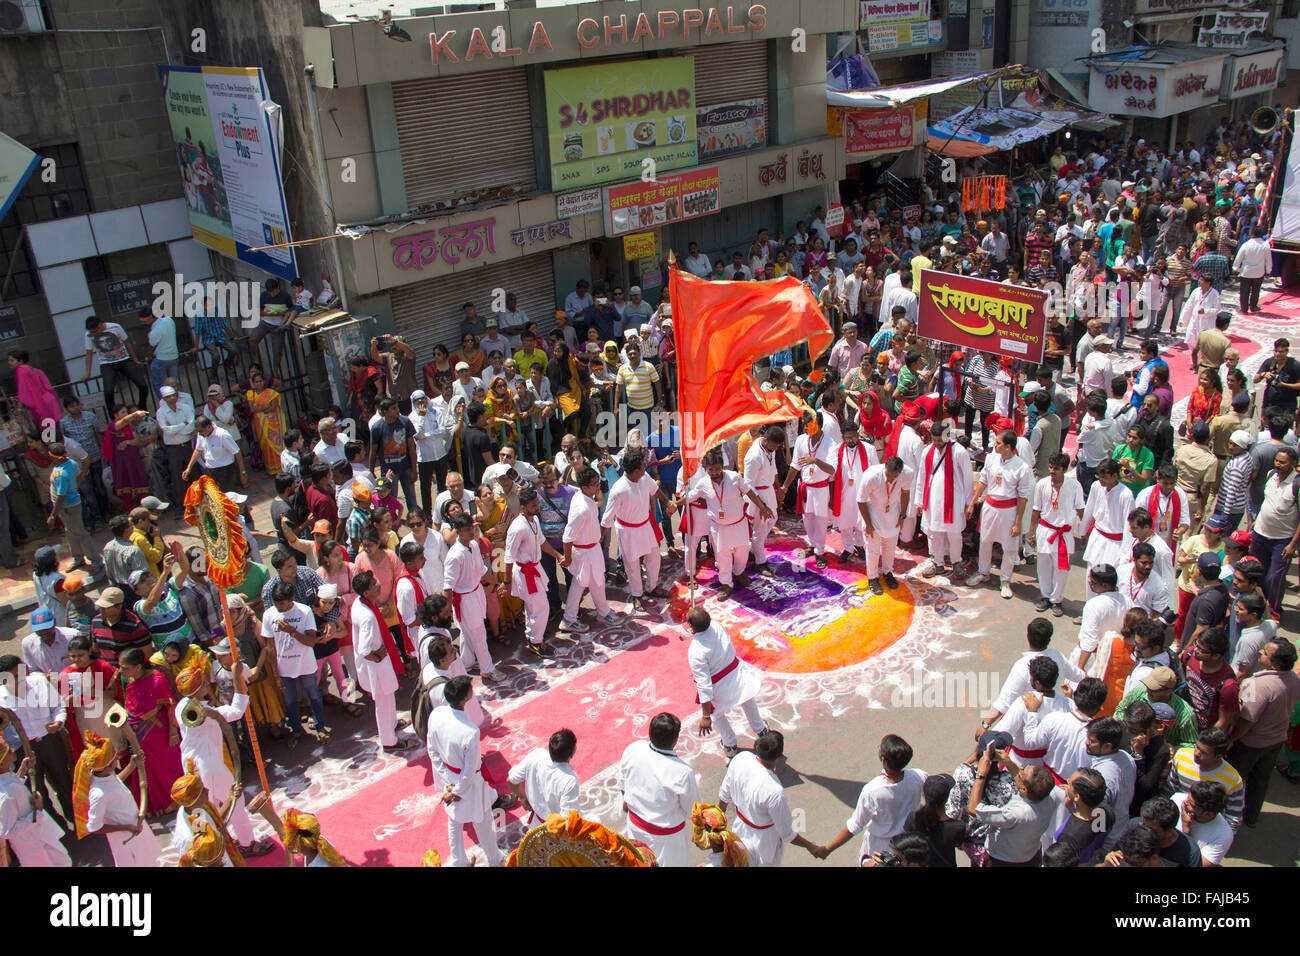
{"x":205,"y":745}
{"x":1169,"y":507}
{"x":944,"y":485}
{"x":375,"y":671}
{"x":724,"y":494}
{"x":31,"y":833}
{"x":659,"y":793}
{"x":851,"y":458}
{"x":1200,"y":310}
{"x":882,"y":499}
{"x":1050,"y":701}
{"x":1004,"y":488}
{"x":694,"y":523}
{"x":764,"y":823}
{"x":760,"y":472}
{"x":527,"y":578}
{"x":631,"y":506}
{"x":722,"y":680}
{"x":1140,"y":586}
{"x":1141,"y":530}
{"x":586,"y":559}
{"x":911,"y":449}
{"x":813,"y":468}
{"x":1057,"y":508}
{"x":463,"y":576}
{"x":110,"y":804}
{"x":454,"y":752}
{"x":1105,"y":518}
{"x":435,"y":551}
{"x":545,"y":778}
{"x":1102,"y":613}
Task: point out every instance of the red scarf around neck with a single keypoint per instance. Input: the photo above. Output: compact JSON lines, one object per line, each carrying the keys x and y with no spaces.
{"x":1175,"y":508}
{"x":389,"y":644}
{"x":837,"y":489}
{"x":948,"y":484}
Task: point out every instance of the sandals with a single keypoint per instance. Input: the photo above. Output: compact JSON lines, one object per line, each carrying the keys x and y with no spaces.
{"x":258,"y":847}
{"x":352,"y":710}
{"x":401,"y":747}
{"x":294,"y":739}
{"x":330,"y":700}
{"x":500,"y":638}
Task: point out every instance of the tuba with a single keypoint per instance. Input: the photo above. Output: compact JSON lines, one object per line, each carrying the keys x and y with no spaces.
{"x":194,"y":713}
{"x":1264,"y":120}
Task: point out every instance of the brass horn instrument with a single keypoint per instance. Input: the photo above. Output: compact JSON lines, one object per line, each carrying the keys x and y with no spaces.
{"x":1264,"y":120}
{"x":194,"y":713}
{"x":115,"y":717}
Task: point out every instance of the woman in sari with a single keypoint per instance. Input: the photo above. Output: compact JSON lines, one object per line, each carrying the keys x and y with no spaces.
{"x":569,"y":384}
{"x":875,"y":421}
{"x":501,"y":412}
{"x":470,"y":353}
{"x":150,"y":703}
{"x":1203,"y":404}
{"x":268,"y":420}
{"x":121,"y":451}
{"x":265,"y":690}
{"x":857,"y":382}
{"x":438,"y":371}
{"x":178,"y":654}
{"x":34,"y":390}
{"x":494,"y":519}
{"x":87,"y":689}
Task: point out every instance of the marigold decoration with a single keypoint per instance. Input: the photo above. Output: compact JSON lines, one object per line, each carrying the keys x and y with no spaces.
{"x":709,"y":832}
{"x":568,"y":840}
{"x":431,"y":858}
{"x":217,"y":519}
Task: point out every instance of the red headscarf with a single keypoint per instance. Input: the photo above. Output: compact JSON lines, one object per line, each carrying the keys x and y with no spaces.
{"x":878,"y":424}
{"x":910,"y":414}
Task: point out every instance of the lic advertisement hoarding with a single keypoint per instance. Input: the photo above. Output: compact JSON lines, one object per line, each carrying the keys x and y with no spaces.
{"x":227,"y":139}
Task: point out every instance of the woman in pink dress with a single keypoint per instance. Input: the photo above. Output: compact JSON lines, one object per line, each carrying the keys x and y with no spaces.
{"x":121,"y":450}
{"x":337,"y":570}
{"x":35,"y":392}
{"x":150,"y":703}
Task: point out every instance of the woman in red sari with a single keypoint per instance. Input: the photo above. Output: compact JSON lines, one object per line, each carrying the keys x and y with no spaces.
{"x":876,"y":422}
{"x":150,"y":703}
{"x":121,"y":450}
{"x":1203,"y":404}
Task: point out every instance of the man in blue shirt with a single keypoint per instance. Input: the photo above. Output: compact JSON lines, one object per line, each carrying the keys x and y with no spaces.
{"x":65,"y":505}
{"x":164,"y":356}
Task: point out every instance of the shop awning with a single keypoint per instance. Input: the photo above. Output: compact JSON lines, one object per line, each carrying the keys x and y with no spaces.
{"x":887,"y":97}
{"x":976,"y":130}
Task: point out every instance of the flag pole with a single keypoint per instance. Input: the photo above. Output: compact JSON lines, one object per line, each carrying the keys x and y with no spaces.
{"x":681,"y":428}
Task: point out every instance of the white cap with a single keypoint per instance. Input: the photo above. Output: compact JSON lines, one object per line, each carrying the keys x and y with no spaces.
{"x":236,"y":497}
{"x":462,"y":365}
{"x":166,"y":391}
{"x":1240,"y":438}
{"x":329,"y":590}
{"x":635,"y":290}
{"x":1100,"y":340}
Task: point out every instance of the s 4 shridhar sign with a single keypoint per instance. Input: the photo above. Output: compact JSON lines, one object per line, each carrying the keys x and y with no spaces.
{"x":1007,"y":320}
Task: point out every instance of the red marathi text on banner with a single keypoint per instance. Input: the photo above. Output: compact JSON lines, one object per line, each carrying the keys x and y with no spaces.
{"x":874,"y":131}
{"x":1007,"y":320}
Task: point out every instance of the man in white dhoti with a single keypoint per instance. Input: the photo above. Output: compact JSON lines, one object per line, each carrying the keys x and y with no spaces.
{"x":31,"y":833}
{"x":464,"y":577}
{"x":760,"y":472}
{"x":1168,"y":505}
{"x":545,"y":779}
{"x":1058,"y":506}
{"x":631,"y":506}
{"x":108,"y":806}
{"x":204,"y":743}
{"x":1105,"y":518}
{"x":525,"y":577}
{"x":910,"y":448}
{"x":851,"y":459}
{"x":813,"y":468}
{"x":1102,"y":613}
{"x":724,"y":494}
{"x":722,"y":680}
{"x":378,"y":664}
{"x":1003,"y":489}
{"x":659,"y":792}
{"x":454,"y":752}
{"x":1140,"y":586}
{"x":882,"y":499}
{"x":764,"y":823}
{"x":1201,"y":309}
{"x":1141,"y":530}
{"x":582,"y":551}
{"x":944,"y":484}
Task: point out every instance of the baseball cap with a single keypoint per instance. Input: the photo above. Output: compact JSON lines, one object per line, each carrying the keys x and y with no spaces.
{"x":491,"y":324}
{"x":635,"y":290}
{"x":321,"y":527}
{"x":1240,"y":538}
{"x":74,"y":583}
{"x":166,"y":391}
{"x":153,"y":503}
{"x":1160,"y":678}
{"x":462,"y":366}
{"x":1099,"y":340}
{"x":1030,"y":388}
{"x":1209,"y":564}
{"x":360,"y":492}
{"x":42,"y":619}
{"x":135,"y":577}
{"x":222,"y":646}
{"x":110,"y":597}
{"x":1217,"y":523}
{"x":1240,"y":438}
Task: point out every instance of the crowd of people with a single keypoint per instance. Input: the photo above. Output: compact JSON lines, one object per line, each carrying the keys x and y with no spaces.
{"x":484,"y":494}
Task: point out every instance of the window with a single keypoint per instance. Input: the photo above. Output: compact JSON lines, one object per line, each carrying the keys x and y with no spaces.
{"x":40,"y":201}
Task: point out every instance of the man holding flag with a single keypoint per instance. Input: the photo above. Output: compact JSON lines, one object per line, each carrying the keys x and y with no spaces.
{"x":723,"y":493}
{"x":631,"y":507}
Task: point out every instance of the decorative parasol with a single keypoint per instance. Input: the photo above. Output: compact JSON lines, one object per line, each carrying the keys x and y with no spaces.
{"x":568,"y":840}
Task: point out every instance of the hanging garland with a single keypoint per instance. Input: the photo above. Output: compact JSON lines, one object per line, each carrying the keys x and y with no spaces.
{"x":217,"y":519}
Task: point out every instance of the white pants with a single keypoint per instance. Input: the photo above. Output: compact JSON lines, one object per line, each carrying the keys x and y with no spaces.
{"x":730,"y":549}
{"x":850,"y":527}
{"x":909,"y":527}
{"x":240,"y":823}
{"x":486,"y":832}
{"x":474,"y":646}
{"x":573,"y":603}
{"x":537,"y":611}
{"x":880,"y":554}
{"x":944,"y":545}
{"x":386,"y":718}
{"x":673,"y":849}
{"x":816,"y":526}
{"x":1009,"y":545}
{"x":752,"y":717}
{"x":761,"y":528}
{"x":633,"y":568}
{"x":142,"y":849}
{"x":1051,"y":580}
{"x":38,"y":845}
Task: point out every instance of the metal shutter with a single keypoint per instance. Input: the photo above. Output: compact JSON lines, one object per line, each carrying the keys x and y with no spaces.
{"x":429,"y":312}
{"x":730,"y":71}
{"x":449,"y":148}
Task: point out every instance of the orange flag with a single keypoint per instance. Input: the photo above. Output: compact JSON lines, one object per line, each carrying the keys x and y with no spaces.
{"x":720,"y":329}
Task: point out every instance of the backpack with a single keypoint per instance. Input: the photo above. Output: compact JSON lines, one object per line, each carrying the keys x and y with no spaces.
{"x":299,"y":511}
{"x":420,"y":709}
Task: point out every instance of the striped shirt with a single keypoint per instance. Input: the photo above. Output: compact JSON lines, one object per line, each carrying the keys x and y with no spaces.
{"x":1238,"y":474}
{"x":1215,"y":266}
{"x":1184,"y":771}
{"x":1184,"y":731}
{"x":638,"y":384}
{"x":357,"y":522}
